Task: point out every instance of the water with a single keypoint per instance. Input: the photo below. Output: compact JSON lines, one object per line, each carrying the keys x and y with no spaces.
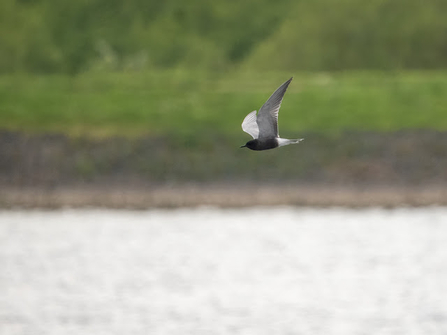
{"x":211,"y":271}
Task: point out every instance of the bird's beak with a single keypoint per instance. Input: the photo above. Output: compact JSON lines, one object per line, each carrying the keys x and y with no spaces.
{"x":243,"y":146}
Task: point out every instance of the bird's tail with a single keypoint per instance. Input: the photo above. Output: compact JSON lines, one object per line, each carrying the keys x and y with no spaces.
{"x":285,"y":141}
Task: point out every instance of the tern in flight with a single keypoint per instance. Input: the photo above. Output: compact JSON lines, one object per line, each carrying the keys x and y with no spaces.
{"x":263,"y":127}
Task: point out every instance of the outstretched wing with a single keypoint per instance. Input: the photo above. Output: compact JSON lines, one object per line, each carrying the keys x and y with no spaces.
{"x":268,"y":114}
{"x":250,"y":126}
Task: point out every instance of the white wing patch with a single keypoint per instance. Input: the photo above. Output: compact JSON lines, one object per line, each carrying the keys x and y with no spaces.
{"x":250,"y":126}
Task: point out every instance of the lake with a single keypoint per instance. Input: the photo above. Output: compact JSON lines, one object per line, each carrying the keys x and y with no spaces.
{"x":279,"y":270}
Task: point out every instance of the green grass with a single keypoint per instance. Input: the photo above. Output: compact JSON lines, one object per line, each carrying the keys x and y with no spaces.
{"x":188,"y":103}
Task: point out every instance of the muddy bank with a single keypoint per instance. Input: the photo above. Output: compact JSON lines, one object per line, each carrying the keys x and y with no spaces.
{"x":221,"y":196}
{"x":352,"y":169}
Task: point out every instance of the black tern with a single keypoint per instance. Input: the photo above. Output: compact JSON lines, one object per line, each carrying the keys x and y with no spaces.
{"x":263,"y":127}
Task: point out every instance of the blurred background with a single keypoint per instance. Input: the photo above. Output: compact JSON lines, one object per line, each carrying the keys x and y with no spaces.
{"x":133,"y":93}
{"x":138,"y":104}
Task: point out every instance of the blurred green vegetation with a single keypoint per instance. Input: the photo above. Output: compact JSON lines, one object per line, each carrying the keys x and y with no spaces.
{"x":197,"y":105}
{"x":64,"y":36}
{"x":195,"y":69}
{"x":155,"y":91}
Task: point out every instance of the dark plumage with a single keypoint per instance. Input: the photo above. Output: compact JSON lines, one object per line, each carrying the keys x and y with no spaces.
{"x":261,"y":144}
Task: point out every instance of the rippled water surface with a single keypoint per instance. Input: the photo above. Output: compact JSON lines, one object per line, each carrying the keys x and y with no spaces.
{"x":212,"y":271}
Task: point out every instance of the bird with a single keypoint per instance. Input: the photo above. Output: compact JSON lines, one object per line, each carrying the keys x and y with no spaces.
{"x":263,"y":126}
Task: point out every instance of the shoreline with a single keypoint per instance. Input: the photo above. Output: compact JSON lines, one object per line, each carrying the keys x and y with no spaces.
{"x":224,"y":196}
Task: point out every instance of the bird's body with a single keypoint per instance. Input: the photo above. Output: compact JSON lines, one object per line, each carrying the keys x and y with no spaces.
{"x":269,"y":143}
{"x":262,"y":144}
{"x":263,"y":127}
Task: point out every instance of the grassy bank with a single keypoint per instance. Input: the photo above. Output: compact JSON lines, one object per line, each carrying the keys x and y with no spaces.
{"x":200,"y":107}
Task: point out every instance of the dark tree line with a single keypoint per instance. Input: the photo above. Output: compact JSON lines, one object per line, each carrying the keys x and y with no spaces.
{"x":65,"y":36}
